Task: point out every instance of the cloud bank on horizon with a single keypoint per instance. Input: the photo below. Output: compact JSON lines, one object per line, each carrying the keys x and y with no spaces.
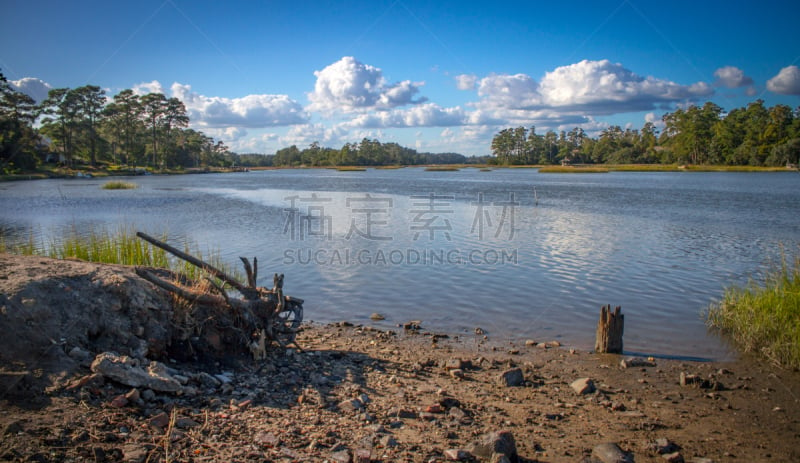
{"x":351,"y":100}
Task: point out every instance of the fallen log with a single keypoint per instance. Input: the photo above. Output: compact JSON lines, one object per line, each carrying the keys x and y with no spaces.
{"x":259,"y":318}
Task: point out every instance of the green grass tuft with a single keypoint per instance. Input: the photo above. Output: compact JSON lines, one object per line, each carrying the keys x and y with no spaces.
{"x":117,"y":185}
{"x":764,"y":318}
{"x":441,"y":169}
{"x":351,"y":169}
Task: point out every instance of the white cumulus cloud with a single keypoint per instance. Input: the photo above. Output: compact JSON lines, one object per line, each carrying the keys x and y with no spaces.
{"x":787,"y":82}
{"x":466,"y":81}
{"x":507,"y":91}
{"x":251,"y":111}
{"x":424,"y":115}
{"x":731,"y":77}
{"x":148,"y":87}
{"x":31,"y":86}
{"x":603,"y":87}
{"x":573,"y":93}
{"x":351,"y":86}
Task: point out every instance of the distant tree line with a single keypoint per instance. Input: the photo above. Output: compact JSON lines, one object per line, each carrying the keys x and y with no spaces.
{"x":366,"y":153}
{"x":754,"y":135}
{"x":82,"y":124}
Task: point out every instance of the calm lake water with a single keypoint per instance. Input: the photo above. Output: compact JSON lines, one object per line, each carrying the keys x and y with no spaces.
{"x":520,"y":254}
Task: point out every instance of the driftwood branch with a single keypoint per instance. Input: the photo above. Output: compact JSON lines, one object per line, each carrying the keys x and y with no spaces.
{"x":246,"y":292}
{"x":251,"y":274}
{"x":262,"y":314}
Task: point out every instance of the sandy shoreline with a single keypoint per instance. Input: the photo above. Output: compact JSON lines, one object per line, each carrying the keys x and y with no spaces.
{"x":357,"y":393}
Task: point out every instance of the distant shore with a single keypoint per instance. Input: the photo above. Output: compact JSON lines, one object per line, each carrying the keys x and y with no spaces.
{"x":91,"y":172}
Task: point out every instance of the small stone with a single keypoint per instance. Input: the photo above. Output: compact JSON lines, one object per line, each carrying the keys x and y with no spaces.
{"x":457,"y":414}
{"x":133,"y":395}
{"x":350,"y":405}
{"x":634,"y":362}
{"x":611,"y":453}
{"x":480,"y":331}
{"x":160,"y":421}
{"x":119,"y":401}
{"x":401,"y":413}
{"x":553,"y":344}
{"x":530,"y":343}
{"x":186,"y":423}
{"x":207,"y":380}
{"x":454,"y":364}
{"x":148,"y":395}
{"x":457,"y":373}
{"x":79,"y":354}
{"x":500,"y":442}
{"x":377,"y":317}
{"x":267,"y":439}
{"x":583,"y":386}
{"x":427,"y":416}
{"x":134,"y":453}
{"x":512,"y":378}
{"x":413,"y":325}
{"x":362,"y":456}
{"x":342,"y":456}
{"x":457,"y":454}
{"x":388,"y":442}
{"x":434,"y":408}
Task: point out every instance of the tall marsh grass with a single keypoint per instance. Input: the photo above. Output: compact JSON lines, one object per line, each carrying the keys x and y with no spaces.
{"x":118,"y":247}
{"x":764,"y":318}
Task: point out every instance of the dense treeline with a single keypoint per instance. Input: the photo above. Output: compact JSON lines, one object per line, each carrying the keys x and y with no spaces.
{"x":82,"y":124}
{"x":366,"y":153}
{"x":754,"y":135}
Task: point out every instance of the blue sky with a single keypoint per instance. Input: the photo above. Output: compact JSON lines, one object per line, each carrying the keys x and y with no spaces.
{"x":433,"y":75}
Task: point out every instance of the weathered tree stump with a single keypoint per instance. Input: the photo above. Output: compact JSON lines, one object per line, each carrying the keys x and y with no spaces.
{"x":609,"y":331}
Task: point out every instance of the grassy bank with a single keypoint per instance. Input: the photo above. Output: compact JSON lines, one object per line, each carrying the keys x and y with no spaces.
{"x":118,"y":247}
{"x":441,"y":169}
{"x":572,"y":170}
{"x":764,"y":319}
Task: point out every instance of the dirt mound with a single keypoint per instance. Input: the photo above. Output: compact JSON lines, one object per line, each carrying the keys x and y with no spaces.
{"x":50,"y":309}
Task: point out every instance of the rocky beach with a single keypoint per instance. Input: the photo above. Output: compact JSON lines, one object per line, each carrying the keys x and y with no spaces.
{"x":86,"y":375}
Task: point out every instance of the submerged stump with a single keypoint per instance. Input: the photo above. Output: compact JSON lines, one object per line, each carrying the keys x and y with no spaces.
{"x":609,"y":330}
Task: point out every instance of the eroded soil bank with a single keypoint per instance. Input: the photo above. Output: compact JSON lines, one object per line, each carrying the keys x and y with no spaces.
{"x":354,"y":393}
